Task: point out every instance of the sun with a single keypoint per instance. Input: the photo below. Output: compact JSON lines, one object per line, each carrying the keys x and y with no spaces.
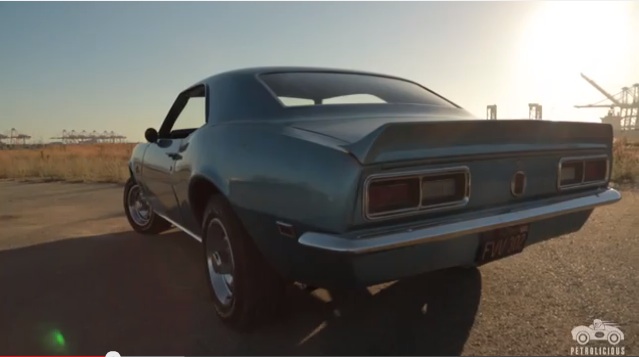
{"x":562,"y":39}
{"x":574,"y":35}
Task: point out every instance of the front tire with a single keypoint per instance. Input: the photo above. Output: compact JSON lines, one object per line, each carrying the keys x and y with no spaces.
{"x":245,"y":289}
{"x":614,"y":338}
{"x":139,"y":212}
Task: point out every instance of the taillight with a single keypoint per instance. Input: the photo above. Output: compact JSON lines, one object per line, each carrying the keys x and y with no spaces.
{"x":571,"y":173}
{"x":390,"y":196}
{"x":577,"y":172}
{"x":441,"y":189}
{"x":596,"y":170}
{"x":393,"y":195}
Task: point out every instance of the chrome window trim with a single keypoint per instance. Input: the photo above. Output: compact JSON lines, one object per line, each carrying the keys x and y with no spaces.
{"x":420,"y":208}
{"x":583,"y":160}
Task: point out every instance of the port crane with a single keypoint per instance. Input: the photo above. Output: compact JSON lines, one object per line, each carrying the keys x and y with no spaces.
{"x":623,"y":107}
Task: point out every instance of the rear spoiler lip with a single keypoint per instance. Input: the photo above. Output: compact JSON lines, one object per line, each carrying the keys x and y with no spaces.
{"x":455,"y":138}
{"x":497,"y":152}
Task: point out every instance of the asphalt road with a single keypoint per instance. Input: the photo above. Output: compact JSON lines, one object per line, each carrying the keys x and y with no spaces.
{"x":74,"y":279}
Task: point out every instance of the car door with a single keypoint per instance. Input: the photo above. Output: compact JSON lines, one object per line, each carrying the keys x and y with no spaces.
{"x":195,"y":115}
{"x":182,"y":175}
{"x":157,"y":174}
{"x":161,"y":157}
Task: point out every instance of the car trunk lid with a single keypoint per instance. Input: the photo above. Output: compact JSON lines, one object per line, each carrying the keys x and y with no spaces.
{"x":376,"y":141}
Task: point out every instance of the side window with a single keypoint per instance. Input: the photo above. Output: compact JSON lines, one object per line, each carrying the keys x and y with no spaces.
{"x":354,"y":99}
{"x":192,"y":116}
{"x":293,"y":102}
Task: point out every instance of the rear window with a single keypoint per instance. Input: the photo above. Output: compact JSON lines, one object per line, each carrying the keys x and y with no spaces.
{"x":321,"y":88}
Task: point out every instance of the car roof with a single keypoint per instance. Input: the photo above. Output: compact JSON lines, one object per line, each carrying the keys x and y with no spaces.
{"x":254,"y":71}
{"x":239,"y":95}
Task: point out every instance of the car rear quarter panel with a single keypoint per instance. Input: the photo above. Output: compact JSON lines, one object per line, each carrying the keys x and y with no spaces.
{"x":269,"y":177}
{"x":263,"y":172}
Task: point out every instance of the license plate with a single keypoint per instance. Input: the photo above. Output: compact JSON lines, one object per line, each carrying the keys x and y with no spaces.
{"x":501,"y":243}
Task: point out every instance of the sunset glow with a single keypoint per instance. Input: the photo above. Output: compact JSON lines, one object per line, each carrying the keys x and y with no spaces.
{"x":563,"y":39}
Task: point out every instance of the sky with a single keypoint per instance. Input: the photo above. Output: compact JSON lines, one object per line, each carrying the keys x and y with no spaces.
{"x":119,"y":65}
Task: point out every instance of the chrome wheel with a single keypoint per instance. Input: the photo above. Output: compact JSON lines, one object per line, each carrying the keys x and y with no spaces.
{"x":139,"y":209}
{"x":220,"y":261}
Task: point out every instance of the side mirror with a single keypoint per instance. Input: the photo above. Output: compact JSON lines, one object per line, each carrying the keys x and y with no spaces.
{"x":151,"y":135}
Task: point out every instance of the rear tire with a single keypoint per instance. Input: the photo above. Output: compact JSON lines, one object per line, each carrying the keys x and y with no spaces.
{"x":583,"y":338}
{"x":245,"y":289}
{"x":139,"y":212}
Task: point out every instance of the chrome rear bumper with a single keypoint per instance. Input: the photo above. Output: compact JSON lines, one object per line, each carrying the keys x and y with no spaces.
{"x":477,"y":224}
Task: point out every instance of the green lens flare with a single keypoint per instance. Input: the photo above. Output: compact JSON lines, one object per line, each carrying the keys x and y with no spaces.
{"x":58,"y":338}
{"x":54,"y":342}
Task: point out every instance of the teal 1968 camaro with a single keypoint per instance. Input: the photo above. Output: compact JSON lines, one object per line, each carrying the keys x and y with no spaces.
{"x":337,"y":178}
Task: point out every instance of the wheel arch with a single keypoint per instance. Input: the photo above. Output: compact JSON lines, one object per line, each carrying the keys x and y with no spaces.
{"x":200,"y":190}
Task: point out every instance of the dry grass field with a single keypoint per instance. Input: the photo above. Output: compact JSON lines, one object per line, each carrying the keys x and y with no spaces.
{"x":625,"y":162}
{"x":108,"y":163}
{"x":73,"y":163}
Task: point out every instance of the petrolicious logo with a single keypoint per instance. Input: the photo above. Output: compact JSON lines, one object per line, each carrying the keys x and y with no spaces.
{"x":602,"y":338}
